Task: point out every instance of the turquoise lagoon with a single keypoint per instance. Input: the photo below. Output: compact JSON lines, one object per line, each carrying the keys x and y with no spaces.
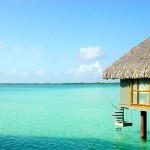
{"x":64,"y":116}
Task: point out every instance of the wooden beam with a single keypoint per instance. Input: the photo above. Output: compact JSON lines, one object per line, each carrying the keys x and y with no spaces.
{"x":141,"y":91}
{"x":137,"y":82}
{"x":143,"y":124}
{"x":131,"y":92}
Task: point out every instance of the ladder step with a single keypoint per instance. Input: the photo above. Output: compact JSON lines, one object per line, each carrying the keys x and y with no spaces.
{"x":120,"y":119}
{"x":117,"y":115}
{"x":120,"y":124}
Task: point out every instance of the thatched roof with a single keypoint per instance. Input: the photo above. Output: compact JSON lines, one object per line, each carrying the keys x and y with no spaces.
{"x":134,"y":64}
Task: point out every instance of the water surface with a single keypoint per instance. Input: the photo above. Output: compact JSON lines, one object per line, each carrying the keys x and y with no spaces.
{"x":64,"y":116}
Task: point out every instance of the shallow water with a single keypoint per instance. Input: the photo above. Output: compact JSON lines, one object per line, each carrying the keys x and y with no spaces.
{"x":65,"y":116}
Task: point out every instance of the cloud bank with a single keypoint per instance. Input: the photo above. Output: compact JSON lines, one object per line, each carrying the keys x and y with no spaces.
{"x":91,"y":69}
{"x":90,"y":53}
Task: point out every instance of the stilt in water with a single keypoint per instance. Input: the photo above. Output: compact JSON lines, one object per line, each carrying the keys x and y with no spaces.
{"x":143,"y":124}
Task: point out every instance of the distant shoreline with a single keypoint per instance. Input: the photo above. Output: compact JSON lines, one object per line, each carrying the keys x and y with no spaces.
{"x":78,"y":83}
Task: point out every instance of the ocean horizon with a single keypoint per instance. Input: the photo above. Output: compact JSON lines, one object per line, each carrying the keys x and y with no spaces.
{"x":62,"y":83}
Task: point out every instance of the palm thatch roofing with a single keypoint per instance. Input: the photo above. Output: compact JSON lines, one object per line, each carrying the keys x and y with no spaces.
{"x":134,"y":64}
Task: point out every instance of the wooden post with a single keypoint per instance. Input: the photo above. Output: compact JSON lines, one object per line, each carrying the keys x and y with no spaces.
{"x":143,"y":124}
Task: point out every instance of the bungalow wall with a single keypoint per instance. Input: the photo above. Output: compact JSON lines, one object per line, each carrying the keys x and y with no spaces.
{"x":125,"y":92}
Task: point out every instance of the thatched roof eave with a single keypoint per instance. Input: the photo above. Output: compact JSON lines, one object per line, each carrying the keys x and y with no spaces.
{"x":134,"y":64}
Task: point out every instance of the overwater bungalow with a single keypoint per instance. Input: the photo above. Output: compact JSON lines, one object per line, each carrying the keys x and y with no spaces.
{"x":133,"y":70}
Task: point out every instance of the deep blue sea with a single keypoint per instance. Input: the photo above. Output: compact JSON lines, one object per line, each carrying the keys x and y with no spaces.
{"x":65,"y":117}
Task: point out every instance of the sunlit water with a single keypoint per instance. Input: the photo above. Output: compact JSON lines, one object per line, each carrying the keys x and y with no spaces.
{"x":65,"y":117}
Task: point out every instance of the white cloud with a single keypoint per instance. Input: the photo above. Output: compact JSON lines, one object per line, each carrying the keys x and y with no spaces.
{"x":11,"y":73}
{"x":15,"y":74}
{"x":90,"y":53}
{"x":88,"y":69}
{"x":2,"y":44}
{"x":40,"y":73}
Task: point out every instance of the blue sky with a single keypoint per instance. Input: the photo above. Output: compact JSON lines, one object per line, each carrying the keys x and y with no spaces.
{"x":66,"y":40}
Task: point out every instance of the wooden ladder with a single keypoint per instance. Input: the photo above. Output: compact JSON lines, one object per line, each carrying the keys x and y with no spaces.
{"x":119,"y":119}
